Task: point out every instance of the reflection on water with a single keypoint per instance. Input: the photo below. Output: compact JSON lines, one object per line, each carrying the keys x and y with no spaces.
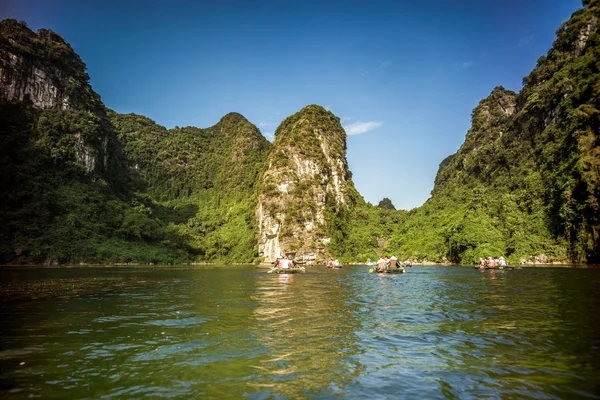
{"x":307,"y":328}
{"x":239,"y":332}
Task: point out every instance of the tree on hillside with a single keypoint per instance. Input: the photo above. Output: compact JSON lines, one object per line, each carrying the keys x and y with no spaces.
{"x":386,"y":203}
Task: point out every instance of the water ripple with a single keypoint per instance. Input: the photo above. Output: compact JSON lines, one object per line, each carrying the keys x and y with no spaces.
{"x":239,"y":332}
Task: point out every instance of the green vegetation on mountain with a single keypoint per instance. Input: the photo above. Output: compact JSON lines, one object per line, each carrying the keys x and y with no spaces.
{"x":81,"y":183}
{"x":201,"y":182}
{"x":386,"y":203}
{"x":52,"y":209}
{"x":63,"y":193}
{"x":181,"y":195}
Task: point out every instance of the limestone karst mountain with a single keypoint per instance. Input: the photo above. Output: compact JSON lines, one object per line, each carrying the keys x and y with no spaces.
{"x":306,"y":184}
{"x":530,"y":164}
{"x":42,"y":69}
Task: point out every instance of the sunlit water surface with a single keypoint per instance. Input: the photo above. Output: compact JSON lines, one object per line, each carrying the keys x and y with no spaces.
{"x":238,"y":332}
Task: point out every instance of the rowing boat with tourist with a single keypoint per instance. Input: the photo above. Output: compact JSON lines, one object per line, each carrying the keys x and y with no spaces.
{"x":286,"y":265}
{"x":492,"y":263}
{"x":388,"y":265}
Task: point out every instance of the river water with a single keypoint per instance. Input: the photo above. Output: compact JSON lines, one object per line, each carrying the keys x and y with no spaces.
{"x":238,"y":332}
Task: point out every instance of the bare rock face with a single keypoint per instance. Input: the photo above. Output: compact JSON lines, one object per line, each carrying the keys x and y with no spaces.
{"x":24,"y":80}
{"x":93,"y":157}
{"x":306,"y":183}
{"x":584,"y":34}
{"x":501,"y":103}
{"x":41,"y":68}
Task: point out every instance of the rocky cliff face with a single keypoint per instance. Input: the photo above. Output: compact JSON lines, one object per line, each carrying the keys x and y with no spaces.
{"x":25,"y":80}
{"x":43,"y":71}
{"x":306,"y":184}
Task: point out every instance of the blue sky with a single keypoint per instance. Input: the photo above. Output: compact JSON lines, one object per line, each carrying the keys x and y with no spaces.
{"x":403,"y":76}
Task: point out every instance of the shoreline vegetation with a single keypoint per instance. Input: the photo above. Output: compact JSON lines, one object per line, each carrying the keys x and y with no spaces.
{"x":270,"y":265}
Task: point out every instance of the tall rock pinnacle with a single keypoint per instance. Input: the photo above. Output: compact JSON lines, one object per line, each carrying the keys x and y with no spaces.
{"x":306,"y":183}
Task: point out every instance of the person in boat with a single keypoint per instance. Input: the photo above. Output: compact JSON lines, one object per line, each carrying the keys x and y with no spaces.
{"x":395,"y":264}
{"x":381,"y":264}
{"x":285,"y":263}
{"x":502,"y":262}
{"x":481,"y":263}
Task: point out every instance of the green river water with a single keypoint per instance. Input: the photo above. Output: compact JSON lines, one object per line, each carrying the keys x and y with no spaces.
{"x":238,"y":332}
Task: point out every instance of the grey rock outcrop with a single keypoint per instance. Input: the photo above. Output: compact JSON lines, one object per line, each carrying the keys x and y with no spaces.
{"x":25,"y":80}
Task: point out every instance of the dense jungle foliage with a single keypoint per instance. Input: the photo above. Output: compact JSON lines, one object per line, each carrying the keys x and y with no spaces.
{"x":86,"y":184}
{"x":526,"y":182}
{"x":201,"y":182}
{"x":174,"y":196}
{"x":52,"y":209}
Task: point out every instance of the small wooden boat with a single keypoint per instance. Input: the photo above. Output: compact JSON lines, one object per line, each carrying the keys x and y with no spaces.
{"x":293,"y":270}
{"x":389,"y":271}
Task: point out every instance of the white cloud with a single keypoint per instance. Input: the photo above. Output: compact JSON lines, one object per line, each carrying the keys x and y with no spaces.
{"x":365,"y":73}
{"x":346,"y":119}
{"x":385,"y":64}
{"x":359,"y":127}
{"x":262,"y":124}
{"x":270,"y":136}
